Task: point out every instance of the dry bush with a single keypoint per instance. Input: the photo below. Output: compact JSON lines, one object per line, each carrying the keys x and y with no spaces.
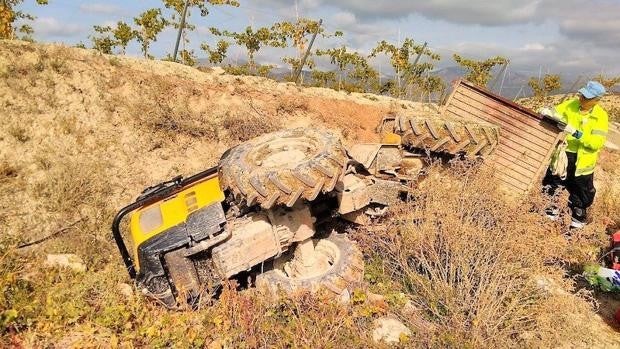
{"x":19,"y":132}
{"x":289,"y":106}
{"x":7,"y":170}
{"x":614,"y":114}
{"x":242,"y":128}
{"x":171,"y":121}
{"x":472,"y":261}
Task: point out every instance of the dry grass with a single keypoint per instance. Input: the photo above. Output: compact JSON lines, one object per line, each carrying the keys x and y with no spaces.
{"x":472,"y":263}
{"x":242,"y":128}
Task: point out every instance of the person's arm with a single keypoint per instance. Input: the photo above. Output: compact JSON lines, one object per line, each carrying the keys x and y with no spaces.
{"x":595,"y":139}
{"x":560,"y":109}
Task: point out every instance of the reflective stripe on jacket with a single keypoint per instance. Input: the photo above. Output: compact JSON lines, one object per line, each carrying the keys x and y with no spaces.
{"x":593,"y":125}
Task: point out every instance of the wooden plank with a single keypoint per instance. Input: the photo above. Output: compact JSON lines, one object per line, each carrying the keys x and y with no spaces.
{"x":526,"y":140}
{"x":501,"y":100}
{"x":536,"y":122}
{"x":516,"y":139}
{"x":506,"y":162}
{"x":508,"y":153}
{"x":509,"y":118}
{"x":462,"y":108}
{"x":455,"y":87}
{"x":545,"y":164}
{"x":512,"y":181}
{"x":506,"y":179}
{"x":510,"y":186}
{"x":510,"y":172}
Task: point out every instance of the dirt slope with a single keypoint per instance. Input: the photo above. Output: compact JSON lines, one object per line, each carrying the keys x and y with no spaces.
{"x":82,"y":133}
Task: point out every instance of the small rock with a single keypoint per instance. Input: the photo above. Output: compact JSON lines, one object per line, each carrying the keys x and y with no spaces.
{"x":125,"y":289}
{"x":71,"y":261}
{"x":549,"y":286}
{"x":389,"y":330}
{"x":216,"y":344}
{"x":409,"y":308}
{"x":217,"y":71}
{"x":377,"y":300}
{"x":345,"y":297}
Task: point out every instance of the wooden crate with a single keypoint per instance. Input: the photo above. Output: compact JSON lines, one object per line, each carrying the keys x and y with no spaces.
{"x":527,"y":140}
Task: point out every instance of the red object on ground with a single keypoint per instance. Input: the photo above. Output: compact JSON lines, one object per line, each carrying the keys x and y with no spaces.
{"x":617,"y":316}
{"x":615,"y":256}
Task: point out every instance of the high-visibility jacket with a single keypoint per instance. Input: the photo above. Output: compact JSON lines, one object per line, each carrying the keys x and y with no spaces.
{"x":594,"y":127}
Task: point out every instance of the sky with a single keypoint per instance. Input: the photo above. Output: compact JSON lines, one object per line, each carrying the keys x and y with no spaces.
{"x":538,"y":36}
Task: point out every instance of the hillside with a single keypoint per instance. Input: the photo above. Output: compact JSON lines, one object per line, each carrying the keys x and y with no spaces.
{"x":83,"y":133}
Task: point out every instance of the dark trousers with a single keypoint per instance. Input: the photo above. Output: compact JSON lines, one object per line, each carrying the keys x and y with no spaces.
{"x":580,"y":189}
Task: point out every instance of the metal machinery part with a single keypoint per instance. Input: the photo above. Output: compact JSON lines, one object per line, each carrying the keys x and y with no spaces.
{"x":260,"y":236}
{"x":333,"y":263}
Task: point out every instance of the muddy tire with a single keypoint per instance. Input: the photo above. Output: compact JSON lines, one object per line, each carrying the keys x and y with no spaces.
{"x":346,"y":270}
{"x":435,"y":134}
{"x":283,"y":167}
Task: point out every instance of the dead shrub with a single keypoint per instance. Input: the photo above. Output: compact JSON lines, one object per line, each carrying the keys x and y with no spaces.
{"x":18,"y":132}
{"x":291,"y":105}
{"x":8,"y":170}
{"x":243,"y":128}
{"x":471,"y":261}
{"x":172,"y":121}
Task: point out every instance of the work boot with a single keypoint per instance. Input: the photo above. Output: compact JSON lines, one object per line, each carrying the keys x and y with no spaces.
{"x":578,"y":218}
{"x":553,"y":213}
{"x":577,"y":224}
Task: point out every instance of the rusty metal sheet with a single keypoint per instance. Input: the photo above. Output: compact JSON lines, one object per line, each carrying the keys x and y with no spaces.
{"x":527,"y":140}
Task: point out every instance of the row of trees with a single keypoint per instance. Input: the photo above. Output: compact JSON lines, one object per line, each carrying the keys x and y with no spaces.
{"x":411,"y":62}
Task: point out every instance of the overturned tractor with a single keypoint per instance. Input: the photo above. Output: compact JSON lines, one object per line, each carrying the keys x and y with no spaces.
{"x":266,"y":212}
{"x":263,"y":211}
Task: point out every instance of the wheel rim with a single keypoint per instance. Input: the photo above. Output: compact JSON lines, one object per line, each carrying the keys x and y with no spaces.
{"x":284,"y":152}
{"x":324,"y":249}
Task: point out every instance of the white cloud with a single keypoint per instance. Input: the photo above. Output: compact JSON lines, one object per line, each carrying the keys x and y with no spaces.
{"x":535,"y":46}
{"x":50,"y":26}
{"x":342,"y":19}
{"x":99,"y":8}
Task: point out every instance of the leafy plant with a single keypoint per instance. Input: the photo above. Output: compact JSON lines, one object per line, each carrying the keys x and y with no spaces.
{"x":150,"y":23}
{"x":359,"y":72}
{"x":177,"y":6}
{"x":479,"y":72}
{"x":297,"y":34}
{"x":407,"y":73}
{"x":218,"y":53}
{"x":543,"y":88}
{"x":607,"y":81}
{"x":124,"y":34}
{"x":252,"y":39}
{"x":9,"y":16}
{"x":103,"y":41}
{"x":323,"y":78}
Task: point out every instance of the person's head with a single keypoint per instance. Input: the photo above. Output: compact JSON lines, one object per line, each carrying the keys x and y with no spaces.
{"x":590,"y":94}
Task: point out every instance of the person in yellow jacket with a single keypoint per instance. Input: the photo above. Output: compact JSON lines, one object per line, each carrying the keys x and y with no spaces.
{"x":586,"y":125}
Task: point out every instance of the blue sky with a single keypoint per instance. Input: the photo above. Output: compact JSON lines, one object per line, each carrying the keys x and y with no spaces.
{"x":557,"y":36}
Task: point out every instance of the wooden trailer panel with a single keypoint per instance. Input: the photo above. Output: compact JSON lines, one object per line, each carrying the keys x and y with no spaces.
{"x":526,"y":141}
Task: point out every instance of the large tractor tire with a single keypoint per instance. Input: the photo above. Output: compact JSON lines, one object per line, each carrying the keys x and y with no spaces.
{"x":436,"y":134}
{"x":345,"y":271}
{"x":283,"y":167}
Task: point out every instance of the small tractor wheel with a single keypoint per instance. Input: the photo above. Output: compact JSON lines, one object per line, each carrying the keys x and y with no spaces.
{"x":438,"y":134}
{"x":345,"y":269}
{"x":282,"y":167}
